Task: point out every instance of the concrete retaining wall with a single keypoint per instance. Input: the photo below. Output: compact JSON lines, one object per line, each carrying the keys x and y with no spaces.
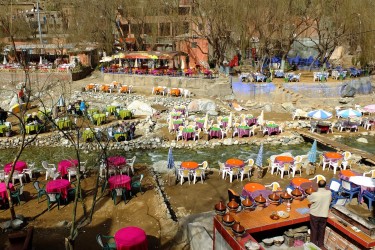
{"x":200,"y":87}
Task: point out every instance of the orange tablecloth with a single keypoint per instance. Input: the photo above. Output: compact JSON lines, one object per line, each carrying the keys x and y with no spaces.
{"x":90,"y":86}
{"x":175,"y":92}
{"x":297,"y":181}
{"x":158,"y":90}
{"x":235,"y":162}
{"x":189,"y":164}
{"x":332,"y":155}
{"x":104,"y":88}
{"x":124,"y":89}
{"x":284,"y":159}
{"x":251,"y":187}
{"x":347,"y":173}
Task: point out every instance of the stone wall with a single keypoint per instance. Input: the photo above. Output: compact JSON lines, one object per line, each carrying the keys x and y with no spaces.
{"x":19,"y":76}
{"x":200,"y":87}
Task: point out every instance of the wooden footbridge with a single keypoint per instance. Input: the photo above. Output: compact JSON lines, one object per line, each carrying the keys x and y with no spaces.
{"x":366,"y":156}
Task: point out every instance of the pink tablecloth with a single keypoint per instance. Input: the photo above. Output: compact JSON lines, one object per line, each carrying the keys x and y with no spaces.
{"x":120,"y":181}
{"x":65,"y":164}
{"x":3,"y":190}
{"x":131,"y":238}
{"x":58,"y":186}
{"x":20,"y":166}
{"x":116,"y":161}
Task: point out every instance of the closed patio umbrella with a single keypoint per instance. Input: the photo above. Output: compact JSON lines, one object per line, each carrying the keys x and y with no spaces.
{"x":5,"y":60}
{"x":40,"y":60}
{"x":312,"y":152}
{"x":136,"y":63}
{"x":61,"y":101}
{"x":259,"y":160}
{"x":261,"y":118}
{"x":230,"y":120}
{"x":170,"y":159}
{"x":182,"y":64}
{"x":205,"y":125}
{"x":170,"y":124}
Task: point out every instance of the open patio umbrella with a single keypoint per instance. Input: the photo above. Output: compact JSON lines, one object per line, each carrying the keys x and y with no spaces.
{"x":319,"y":114}
{"x":369,"y":108}
{"x":259,"y":160}
{"x":170,"y":159}
{"x":349,"y":113}
{"x":312,"y":152}
{"x":5,"y":60}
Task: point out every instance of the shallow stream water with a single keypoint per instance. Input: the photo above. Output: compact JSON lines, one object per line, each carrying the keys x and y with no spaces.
{"x":352,"y":142}
{"x":222,"y":153}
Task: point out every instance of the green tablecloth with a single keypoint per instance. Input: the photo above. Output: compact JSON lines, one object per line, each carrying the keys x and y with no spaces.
{"x":64,"y":124}
{"x":99,"y":118}
{"x":215,"y":129}
{"x":272,"y":125}
{"x":92,"y":111}
{"x":3,"y":128}
{"x":42,"y":115}
{"x":111,"y":109}
{"x":178,"y":122}
{"x":31,"y":128}
{"x":243,"y":127}
{"x":87,"y":134}
{"x":188,"y":130}
{"x":225,"y":119}
{"x":125,"y":114}
{"x":118,"y":135}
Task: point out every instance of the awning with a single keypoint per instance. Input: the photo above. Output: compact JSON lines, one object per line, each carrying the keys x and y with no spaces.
{"x":154,"y":54}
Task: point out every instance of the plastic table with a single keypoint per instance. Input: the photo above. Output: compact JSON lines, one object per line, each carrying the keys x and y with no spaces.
{"x":58,"y":186}
{"x":20,"y":166}
{"x":116,"y":161}
{"x":63,"y":166}
{"x":131,"y":238}
{"x":234,"y":163}
{"x":3,"y":190}
{"x":120,"y":181}
{"x":191,"y":165}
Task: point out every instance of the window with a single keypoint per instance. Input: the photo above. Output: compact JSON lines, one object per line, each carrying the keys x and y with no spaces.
{"x":165,"y":29}
{"x":186,"y":27}
{"x":194,"y":45}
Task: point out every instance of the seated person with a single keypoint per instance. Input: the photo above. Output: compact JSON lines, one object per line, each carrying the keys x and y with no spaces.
{"x":29,"y":119}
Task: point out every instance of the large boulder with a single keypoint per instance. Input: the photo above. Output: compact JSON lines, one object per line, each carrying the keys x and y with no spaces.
{"x":202,"y":105}
{"x":348,"y":90}
{"x":141,"y":108}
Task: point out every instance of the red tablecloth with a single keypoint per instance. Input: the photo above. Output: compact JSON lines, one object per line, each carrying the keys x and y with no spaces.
{"x":131,"y":238}
{"x":234,"y":163}
{"x":189,"y":165}
{"x":3,"y":190}
{"x":120,"y":181}
{"x":20,"y":166}
{"x":65,"y":164}
{"x":116,"y":161}
{"x":58,"y":186}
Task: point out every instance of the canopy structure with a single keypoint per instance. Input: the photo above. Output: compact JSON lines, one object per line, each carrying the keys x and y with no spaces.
{"x":168,"y":55}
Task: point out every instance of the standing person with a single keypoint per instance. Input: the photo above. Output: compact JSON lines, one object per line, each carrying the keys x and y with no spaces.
{"x":21,"y":95}
{"x":319,"y":208}
{"x":3,"y":116}
{"x":132,"y":130}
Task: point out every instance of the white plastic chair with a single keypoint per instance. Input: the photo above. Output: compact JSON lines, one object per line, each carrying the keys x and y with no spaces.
{"x":29,"y":170}
{"x":275,"y":186}
{"x":335,"y":165}
{"x":223,"y":169}
{"x":371,"y":173}
{"x":318,"y":177}
{"x":184,"y":173}
{"x":130,"y":162}
{"x":72,"y":172}
{"x":233,"y":172}
{"x":246,"y":170}
{"x":296,"y":168}
{"x":50,"y":169}
{"x":283,"y":168}
{"x":17,"y":175}
{"x":198,"y":173}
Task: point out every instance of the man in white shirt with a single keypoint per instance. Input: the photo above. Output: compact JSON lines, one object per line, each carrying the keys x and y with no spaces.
{"x":319,"y":208}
